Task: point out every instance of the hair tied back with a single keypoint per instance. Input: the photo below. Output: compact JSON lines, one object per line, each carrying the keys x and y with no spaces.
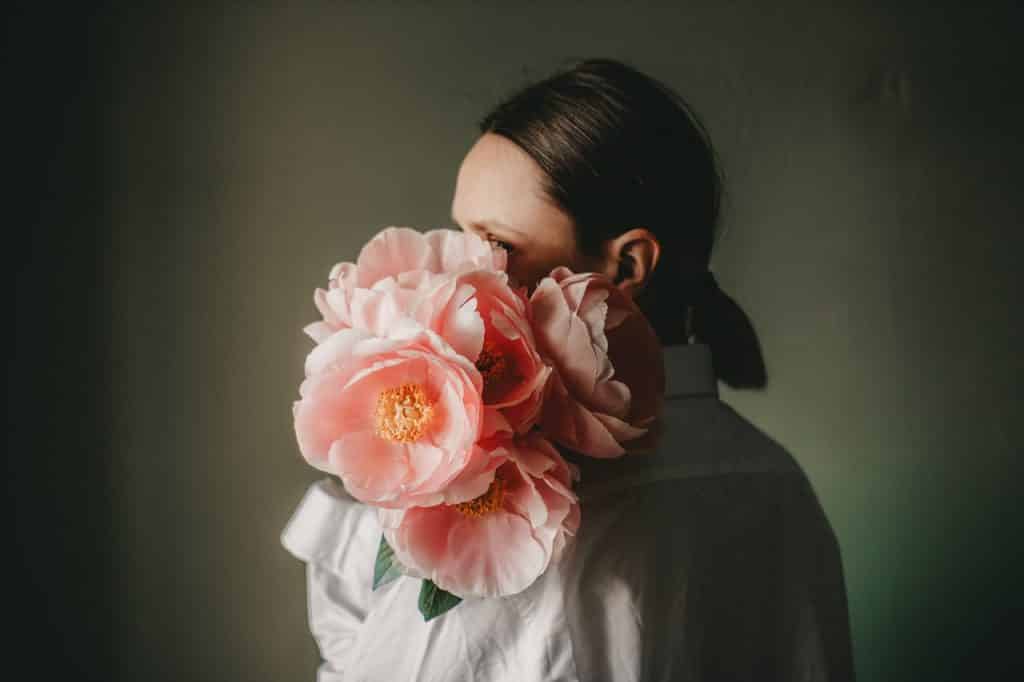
{"x":701,"y":287}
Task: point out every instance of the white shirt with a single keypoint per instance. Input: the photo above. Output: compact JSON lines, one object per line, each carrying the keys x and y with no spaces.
{"x":708,"y":558}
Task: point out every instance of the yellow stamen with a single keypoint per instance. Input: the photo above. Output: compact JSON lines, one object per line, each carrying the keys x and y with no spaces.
{"x":487,"y":503}
{"x":403,"y":413}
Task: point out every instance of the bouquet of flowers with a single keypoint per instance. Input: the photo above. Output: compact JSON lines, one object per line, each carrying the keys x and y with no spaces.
{"x":437,"y":392}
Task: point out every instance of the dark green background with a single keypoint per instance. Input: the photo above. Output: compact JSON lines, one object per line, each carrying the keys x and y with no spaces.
{"x":181,"y":179}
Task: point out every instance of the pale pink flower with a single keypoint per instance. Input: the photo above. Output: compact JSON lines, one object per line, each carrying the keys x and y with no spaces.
{"x":500,"y":542}
{"x":403,"y":259}
{"x":609,"y":379}
{"x":440,"y":302}
{"x":397,"y":419}
{"x":455,"y":251}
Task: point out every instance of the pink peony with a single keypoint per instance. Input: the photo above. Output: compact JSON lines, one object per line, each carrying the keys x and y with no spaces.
{"x":480,"y":316}
{"x":489,"y":323}
{"x":456,"y":291}
{"x":402,"y":259}
{"x":608,"y":383}
{"x":455,"y":251}
{"x":397,"y":419}
{"x":396,"y":250}
{"x":500,"y":542}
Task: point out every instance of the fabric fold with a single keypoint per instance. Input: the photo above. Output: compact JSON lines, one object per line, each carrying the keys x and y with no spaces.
{"x":326,"y":516}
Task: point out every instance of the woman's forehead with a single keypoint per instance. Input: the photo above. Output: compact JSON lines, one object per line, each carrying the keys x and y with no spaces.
{"x":499,"y":183}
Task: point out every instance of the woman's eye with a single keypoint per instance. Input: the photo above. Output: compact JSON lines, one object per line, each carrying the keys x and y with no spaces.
{"x":501,"y":244}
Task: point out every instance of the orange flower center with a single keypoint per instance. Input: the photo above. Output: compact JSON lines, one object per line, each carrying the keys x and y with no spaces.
{"x":487,"y":503}
{"x":403,"y":413}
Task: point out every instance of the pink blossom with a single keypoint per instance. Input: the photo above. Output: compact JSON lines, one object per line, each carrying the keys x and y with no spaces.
{"x":397,"y":260}
{"x":488,"y":321}
{"x":457,"y":290}
{"x":397,"y":419}
{"x":608,"y":384}
{"x":498,"y":543}
{"x":455,"y":251}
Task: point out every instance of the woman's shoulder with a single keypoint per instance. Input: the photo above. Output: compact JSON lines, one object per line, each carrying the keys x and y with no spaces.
{"x":784,"y":483}
{"x":721,"y":440}
{"x":697,"y":442}
{"x":714,"y":480}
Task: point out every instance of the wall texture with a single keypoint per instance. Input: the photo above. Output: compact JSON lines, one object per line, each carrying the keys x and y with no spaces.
{"x":221,"y":160}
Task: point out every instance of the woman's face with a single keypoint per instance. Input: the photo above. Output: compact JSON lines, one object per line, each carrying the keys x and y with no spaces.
{"x":499,"y":196}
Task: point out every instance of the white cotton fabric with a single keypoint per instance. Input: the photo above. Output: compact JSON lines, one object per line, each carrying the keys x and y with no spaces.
{"x":707,"y":558}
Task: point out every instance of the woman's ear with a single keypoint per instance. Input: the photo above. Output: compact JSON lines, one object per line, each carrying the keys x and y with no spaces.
{"x":633,"y":255}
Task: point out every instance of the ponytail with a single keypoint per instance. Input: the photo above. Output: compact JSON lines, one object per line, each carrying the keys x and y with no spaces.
{"x":719,"y":322}
{"x":712,"y":317}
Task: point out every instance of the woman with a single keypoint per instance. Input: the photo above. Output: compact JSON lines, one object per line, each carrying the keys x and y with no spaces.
{"x":705,"y":558}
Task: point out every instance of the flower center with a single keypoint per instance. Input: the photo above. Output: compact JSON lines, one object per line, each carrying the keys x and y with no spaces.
{"x":403,"y":413}
{"x":495,"y":369}
{"x":487,"y":503}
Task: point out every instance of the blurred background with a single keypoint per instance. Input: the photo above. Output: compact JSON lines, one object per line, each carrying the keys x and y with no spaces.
{"x":183,"y":177}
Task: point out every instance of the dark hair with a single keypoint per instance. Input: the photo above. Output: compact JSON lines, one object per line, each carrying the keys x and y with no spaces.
{"x":619,"y":150}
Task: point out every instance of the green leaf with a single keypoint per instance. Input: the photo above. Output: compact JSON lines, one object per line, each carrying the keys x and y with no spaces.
{"x":386,"y":567}
{"x":434,"y":601}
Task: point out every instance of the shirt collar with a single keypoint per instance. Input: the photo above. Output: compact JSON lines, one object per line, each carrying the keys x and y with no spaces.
{"x":668,"y":451}
{"x":688,"y":371}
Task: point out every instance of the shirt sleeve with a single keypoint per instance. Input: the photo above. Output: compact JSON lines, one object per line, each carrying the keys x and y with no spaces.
{"x":820,"y":646}
{"x":336,"y":536}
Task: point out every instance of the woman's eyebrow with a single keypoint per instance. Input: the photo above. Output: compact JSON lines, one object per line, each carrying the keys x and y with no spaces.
{"x":486,"y":224}
{"x":500,"y":225}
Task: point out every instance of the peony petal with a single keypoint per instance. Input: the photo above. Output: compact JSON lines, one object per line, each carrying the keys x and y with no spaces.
{"x":501,"y":323}
{"x":611,"y":397}
{"x":475,"y":478}
{"x":322,"y":416}
{"x":494,"y":424}
{"x":565,"y":339}
{"x":336,"y":301}
{"x":556,"y":504}
{"x":534,"y":454}
{"x":455,"y":250}
{"x":334,"y":351}
{"x":620,"y":430}
{"x":524,"y":414}
{"x":566,"y":421}
{"x":455,"y":424}
{"x":425,"y":464}
{"x":521,"y":496}
{"x":460,"y":323}
{"x":318,"y":331}
{"x":326,"y":309}
{"x":639,"y":363}
{"x":391,"y":251}
{"x":343,"y":274}
{"x":372,"y":469}
{"x":492,"y":556}
{"x":375,"y":311}
{"x":420,"y":541}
